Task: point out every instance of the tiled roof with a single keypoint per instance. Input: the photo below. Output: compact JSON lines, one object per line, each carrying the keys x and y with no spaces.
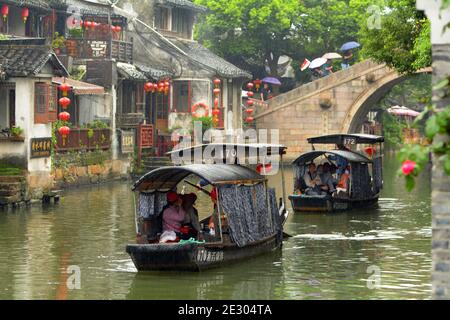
{"x":86,"y":7}
{"x":27,"y":60}
{"x":129,"y":71}
{"x":79,"y":87}
{"x":202,"y":55}
{"x":153,"y":72}
{"x":186,"y":4}
{"x":35,"y":4}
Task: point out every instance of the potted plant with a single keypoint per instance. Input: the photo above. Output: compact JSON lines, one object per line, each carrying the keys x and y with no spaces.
{"x":16,"y":133}
{"x":58,"y":43}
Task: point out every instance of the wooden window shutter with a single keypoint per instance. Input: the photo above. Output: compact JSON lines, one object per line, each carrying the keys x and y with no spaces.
{"x":53,"y":103}
{"x":40,"y":102}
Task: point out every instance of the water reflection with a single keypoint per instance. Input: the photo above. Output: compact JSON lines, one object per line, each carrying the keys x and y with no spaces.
{"x":327,"y":257}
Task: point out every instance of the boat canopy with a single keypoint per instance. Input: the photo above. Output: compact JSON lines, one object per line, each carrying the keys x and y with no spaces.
{"x":344,"y":139}
{"x":166,"y":178}
{"x":350,"y":156}
{"x":249,"y":148}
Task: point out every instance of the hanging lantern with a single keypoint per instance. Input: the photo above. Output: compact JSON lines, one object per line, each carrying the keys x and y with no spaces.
{"x":88,"y":24}
{"x":64,"y":131}
{"x":148,"y":87}
{"x":216,"y":91}
{"x":166,"y":87}
{"x":250,"y":94}
{"x":250,"y":102}
{"x":160,"y":86}
{"x":64,"y":116}
{"x":64,"y":102}
{"x":250,"y":86}
{"x":5,"y":12}
{"x":257,"y":83}
{"x":249,"y":119}
{"x":216,"y":112}
{"x":249,"y":111}
{"x":25,"y":14}
{"x":217,"y":82}
{"x":155,"y":87}
{"x":216,"y":102}
{"x":64,"y":88}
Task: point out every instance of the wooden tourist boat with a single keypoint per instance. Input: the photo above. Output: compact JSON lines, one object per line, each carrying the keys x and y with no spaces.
{"x":254,"y":221}
{"x":364,"y":182}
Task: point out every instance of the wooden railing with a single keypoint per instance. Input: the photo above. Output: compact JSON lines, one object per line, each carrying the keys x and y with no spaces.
{"x":85,"y":139}
{"x":100,"y":49}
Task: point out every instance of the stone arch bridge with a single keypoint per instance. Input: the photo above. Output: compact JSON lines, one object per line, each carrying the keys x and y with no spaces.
{"x":337,"y":103}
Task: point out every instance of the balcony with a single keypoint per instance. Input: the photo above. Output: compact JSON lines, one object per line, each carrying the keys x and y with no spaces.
{"x":85,"y":139}
{"x":100,"y":49}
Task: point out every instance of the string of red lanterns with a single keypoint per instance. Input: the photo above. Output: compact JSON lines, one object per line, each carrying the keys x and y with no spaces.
{"x":250,"y":102}
{"x":64,"y":116}
{"x":160,"y":87}
{"x":216,"y":111}
{"x":5,"y":12}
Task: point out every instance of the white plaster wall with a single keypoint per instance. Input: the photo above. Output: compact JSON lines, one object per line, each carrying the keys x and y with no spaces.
{"x":25,"y":120}
{"x":4,"y":101}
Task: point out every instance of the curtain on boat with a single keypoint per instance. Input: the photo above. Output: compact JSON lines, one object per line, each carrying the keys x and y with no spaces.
{"x":251,"y":215}
{"x":151,"y":204}
{"x":378,"y":174}
{"x":361,"y":185}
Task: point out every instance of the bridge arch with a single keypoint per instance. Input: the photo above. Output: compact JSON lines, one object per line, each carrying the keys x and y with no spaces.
{"x":362,"y":105}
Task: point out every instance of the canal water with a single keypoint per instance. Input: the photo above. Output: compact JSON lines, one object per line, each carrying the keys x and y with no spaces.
{"x":335,"y":256}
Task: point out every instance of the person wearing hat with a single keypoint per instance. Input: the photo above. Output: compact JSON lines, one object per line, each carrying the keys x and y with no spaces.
{"x":174,"y":214}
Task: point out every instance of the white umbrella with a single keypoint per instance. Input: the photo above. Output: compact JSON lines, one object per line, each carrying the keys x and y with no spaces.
{"x":332,"y":55}
{"x":317,"y":63}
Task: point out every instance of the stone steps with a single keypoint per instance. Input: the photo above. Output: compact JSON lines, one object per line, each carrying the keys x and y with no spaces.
{"x":12,"y":189}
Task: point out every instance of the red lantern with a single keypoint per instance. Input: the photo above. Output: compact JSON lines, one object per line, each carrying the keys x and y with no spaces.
{"x":64,"y":131}
{"x":216,"y":91}
{"x":250,"y":94}
{"x":250,"y":102}
{"x":148,"y":87}
{"x":217,"y":82}
{"x":257,"y":83}
{"x":249,"y":111}
{"x":88,"y":24}
{"x":216,"y":112}
{"x":370,"y":151}
{"x":250,"y":85}
{"x":167,"y":84}
{"x":64,"y":102}
{"x":25,"y":14}
{"x":5,"y":11}
{"x":216,"y":102}
{"x":249,"y":119}
{"x":64,"y":88}
{"x":64,"y":116}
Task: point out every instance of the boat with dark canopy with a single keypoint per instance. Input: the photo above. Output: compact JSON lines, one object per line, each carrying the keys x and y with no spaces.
{"x":355,"y":174}
{"x":251,"y":222}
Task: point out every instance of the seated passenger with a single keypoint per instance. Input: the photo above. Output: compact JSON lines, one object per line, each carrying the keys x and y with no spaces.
{"x":327,"y":178}
{"x":343,"y":185}
{"x":312,"y":181}
{"x":172,"y":217}
{"x":191,"y":222}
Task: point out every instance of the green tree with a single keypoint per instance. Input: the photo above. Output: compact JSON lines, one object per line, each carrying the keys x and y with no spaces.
{"x":402,"y":38}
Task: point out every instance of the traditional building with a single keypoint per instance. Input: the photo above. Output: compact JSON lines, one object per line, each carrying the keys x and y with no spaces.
{"x":165,"y":41}
{"x":28,"y":106}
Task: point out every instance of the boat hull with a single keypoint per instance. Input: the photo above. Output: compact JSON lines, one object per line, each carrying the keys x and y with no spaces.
{"x":196,"y":257}
{"x":327,"y":204}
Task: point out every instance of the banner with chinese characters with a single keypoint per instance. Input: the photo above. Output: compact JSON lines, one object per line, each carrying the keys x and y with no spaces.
{"x":41,"y":147}
{"x":127,"y":141}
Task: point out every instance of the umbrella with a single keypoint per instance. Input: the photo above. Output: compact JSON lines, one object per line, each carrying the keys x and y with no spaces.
{"x":350,"y":45}
{"x":271,"y":80}
{"x":317,"y":63}
{"x":332,"y":55}
{"x":403,"y":111}
{"x":305,"y":65}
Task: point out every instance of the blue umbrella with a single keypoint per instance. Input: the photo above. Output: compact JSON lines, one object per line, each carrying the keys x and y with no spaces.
{"x":271,"y":80}
{"x":350,"y":45}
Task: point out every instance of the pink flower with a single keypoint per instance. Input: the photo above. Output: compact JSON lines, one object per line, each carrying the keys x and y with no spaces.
{"x":408,"y":167}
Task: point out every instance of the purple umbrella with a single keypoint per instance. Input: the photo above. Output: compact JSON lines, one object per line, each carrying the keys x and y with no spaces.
{"x":271,"y":80}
